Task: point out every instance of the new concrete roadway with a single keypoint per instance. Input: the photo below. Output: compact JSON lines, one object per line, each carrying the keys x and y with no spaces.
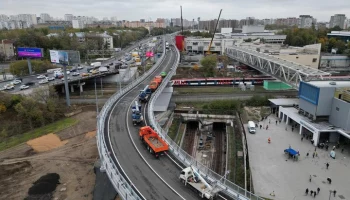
{"x":155,"y":179}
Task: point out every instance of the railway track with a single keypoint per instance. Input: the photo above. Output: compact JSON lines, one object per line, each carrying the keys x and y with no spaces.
{"x":189,"y":138}
{"x":218,"y":161}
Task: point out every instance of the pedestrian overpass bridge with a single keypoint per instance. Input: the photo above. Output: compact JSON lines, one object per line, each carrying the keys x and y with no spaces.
{"x":286,"y":71}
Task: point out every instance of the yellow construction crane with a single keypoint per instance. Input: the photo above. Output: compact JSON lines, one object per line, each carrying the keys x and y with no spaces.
{"x":212,"y":38}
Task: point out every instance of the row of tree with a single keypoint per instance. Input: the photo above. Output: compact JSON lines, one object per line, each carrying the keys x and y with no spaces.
{"x":20,"y":68}
{"x":302,"y":37}
{"x":68,"y":41}
{"x":19,"y":113}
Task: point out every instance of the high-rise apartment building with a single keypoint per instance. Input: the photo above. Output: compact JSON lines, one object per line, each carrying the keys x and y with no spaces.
{"x":338,"y":20}
{"x":68,"y":17}
{"x":78,"y":24}
{"x":306,"y":21}
{"x":30,"y":18}
{"x":44,"y":17}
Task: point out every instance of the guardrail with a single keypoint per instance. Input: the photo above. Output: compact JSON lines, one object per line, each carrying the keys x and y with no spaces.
{"x":115,"y":173}
{"x":228,"y":187}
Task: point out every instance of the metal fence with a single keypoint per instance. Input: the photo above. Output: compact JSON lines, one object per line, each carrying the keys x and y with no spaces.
{"x":115,"y":173}
{"x":231,"y":189}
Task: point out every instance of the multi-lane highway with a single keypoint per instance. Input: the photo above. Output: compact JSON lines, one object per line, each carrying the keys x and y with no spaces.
{"x":35,"y":82}
{"x":153,"y":178}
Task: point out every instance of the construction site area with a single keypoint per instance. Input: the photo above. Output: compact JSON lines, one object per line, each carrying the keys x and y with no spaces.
{"x":54,"y":166}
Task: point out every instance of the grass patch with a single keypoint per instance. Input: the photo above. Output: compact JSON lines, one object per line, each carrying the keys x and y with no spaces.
{"x":173,"y":128}
{"x":50,"y":128}
{"x":216,"y":90}
{"x":180,"y":134}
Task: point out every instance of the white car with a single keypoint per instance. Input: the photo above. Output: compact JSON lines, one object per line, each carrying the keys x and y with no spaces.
{"x":41,"y":77}
{"x":9,"y":87}
{"x":15,"y":82}
{"x":43,"y":81}
{"x":80,"y":67}
{"x":51,"y":79}
{"x":23,"y":87}
{"x":75,"y":74}
{"x":68,"y":72}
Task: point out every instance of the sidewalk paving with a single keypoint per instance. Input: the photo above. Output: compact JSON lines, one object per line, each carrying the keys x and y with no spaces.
{"x":273,"y":171}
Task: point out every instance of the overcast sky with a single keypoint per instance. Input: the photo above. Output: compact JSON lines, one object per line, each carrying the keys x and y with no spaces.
{"x":152,"y":9}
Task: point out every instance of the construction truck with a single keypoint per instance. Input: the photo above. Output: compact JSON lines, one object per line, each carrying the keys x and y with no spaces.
{"x":155,"y":83}
{"x":136,"y":114}
{"x":191,"y":177}
{"x":153,"y":142}
{"x":145,"y":94}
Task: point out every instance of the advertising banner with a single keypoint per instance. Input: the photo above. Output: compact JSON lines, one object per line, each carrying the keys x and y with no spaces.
{"x":54,"y":56}
{"x":30,"y":52}
{"x":63,"y":57}
{"x":149,"y":54}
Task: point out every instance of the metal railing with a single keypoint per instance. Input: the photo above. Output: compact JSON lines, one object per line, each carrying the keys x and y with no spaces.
{"x":228,"y":187}
{"x":115,"y":173}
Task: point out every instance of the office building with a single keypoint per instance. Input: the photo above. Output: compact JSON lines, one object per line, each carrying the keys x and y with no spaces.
{"x":338,"y":20}
{"x":322,"y":112}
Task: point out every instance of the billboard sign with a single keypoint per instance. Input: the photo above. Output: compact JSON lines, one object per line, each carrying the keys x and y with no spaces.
{"x":30,"y":52}
{"x":149,"y":54}
{"x":60,"y":57}
{"x":63,"y":57}
{"x":54,"y":56}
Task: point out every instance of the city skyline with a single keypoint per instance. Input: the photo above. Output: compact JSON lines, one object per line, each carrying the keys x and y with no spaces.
{"x":153,"y":9}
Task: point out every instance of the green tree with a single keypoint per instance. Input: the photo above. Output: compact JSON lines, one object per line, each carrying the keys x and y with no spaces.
{"x":209,"y":64}
{"x":20,"y":68}
{"x":30,"y":110}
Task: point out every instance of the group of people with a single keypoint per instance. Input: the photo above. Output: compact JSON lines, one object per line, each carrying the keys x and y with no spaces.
{"x":312,"y":193}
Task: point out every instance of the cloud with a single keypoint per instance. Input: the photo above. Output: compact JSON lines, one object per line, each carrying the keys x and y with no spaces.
{"x":206,"y":9}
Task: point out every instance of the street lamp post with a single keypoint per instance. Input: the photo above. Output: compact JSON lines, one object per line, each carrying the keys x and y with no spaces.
{"x":96,"y":97}
{"x":66,"y":84}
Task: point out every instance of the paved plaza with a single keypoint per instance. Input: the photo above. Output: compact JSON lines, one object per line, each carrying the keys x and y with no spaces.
{"x":272,"y":170}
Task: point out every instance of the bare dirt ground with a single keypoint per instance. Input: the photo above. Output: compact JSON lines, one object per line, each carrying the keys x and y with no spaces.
{"x":21,"y":166}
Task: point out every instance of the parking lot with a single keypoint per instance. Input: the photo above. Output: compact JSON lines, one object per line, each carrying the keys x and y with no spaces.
{"x":272,"y":170}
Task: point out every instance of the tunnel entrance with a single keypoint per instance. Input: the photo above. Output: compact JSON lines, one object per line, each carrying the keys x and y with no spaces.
{"x":189,"y":138}
{"x":219,"y":159}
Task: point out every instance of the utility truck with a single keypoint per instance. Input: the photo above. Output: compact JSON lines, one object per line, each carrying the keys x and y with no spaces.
{"x":145,"y":94}
{"x":136,"y":114}
{"x":191,"y":177}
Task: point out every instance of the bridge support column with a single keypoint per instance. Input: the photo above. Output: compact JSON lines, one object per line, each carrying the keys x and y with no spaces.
{"x":81,"y":87}
{"x":63,"y":89}
{"x":71,"y":88}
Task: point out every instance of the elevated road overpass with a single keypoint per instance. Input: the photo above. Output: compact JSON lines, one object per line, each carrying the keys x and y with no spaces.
{"x":283,"y":70}
{"x":134,"y":172}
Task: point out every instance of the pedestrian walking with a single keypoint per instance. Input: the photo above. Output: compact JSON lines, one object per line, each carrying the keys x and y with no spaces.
{"x":318,"y":190}
{"x":329,"y":180}
{"x":280,"y":120}
{"x":302,"y":138}
{"x":307,"y":154}
{"x":314,"y":194}
{"x":269,"y":121}
{"x":311,"y":192}
{"x":260,"y":126}
{"x":276,"y":122}
{"x":267,"y":127}
{"x":313,"y":155}
{"x":310,"y":178}
{"x":292,"y":129}
{"x":316,"y":154}
{"x":326,"y":147}
{"x":327,"y":165}
{"x":335,"y":192}
{"x":307,"y":191}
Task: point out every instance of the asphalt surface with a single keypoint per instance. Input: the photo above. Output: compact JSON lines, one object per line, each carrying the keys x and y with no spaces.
{"x":131,"y":161}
